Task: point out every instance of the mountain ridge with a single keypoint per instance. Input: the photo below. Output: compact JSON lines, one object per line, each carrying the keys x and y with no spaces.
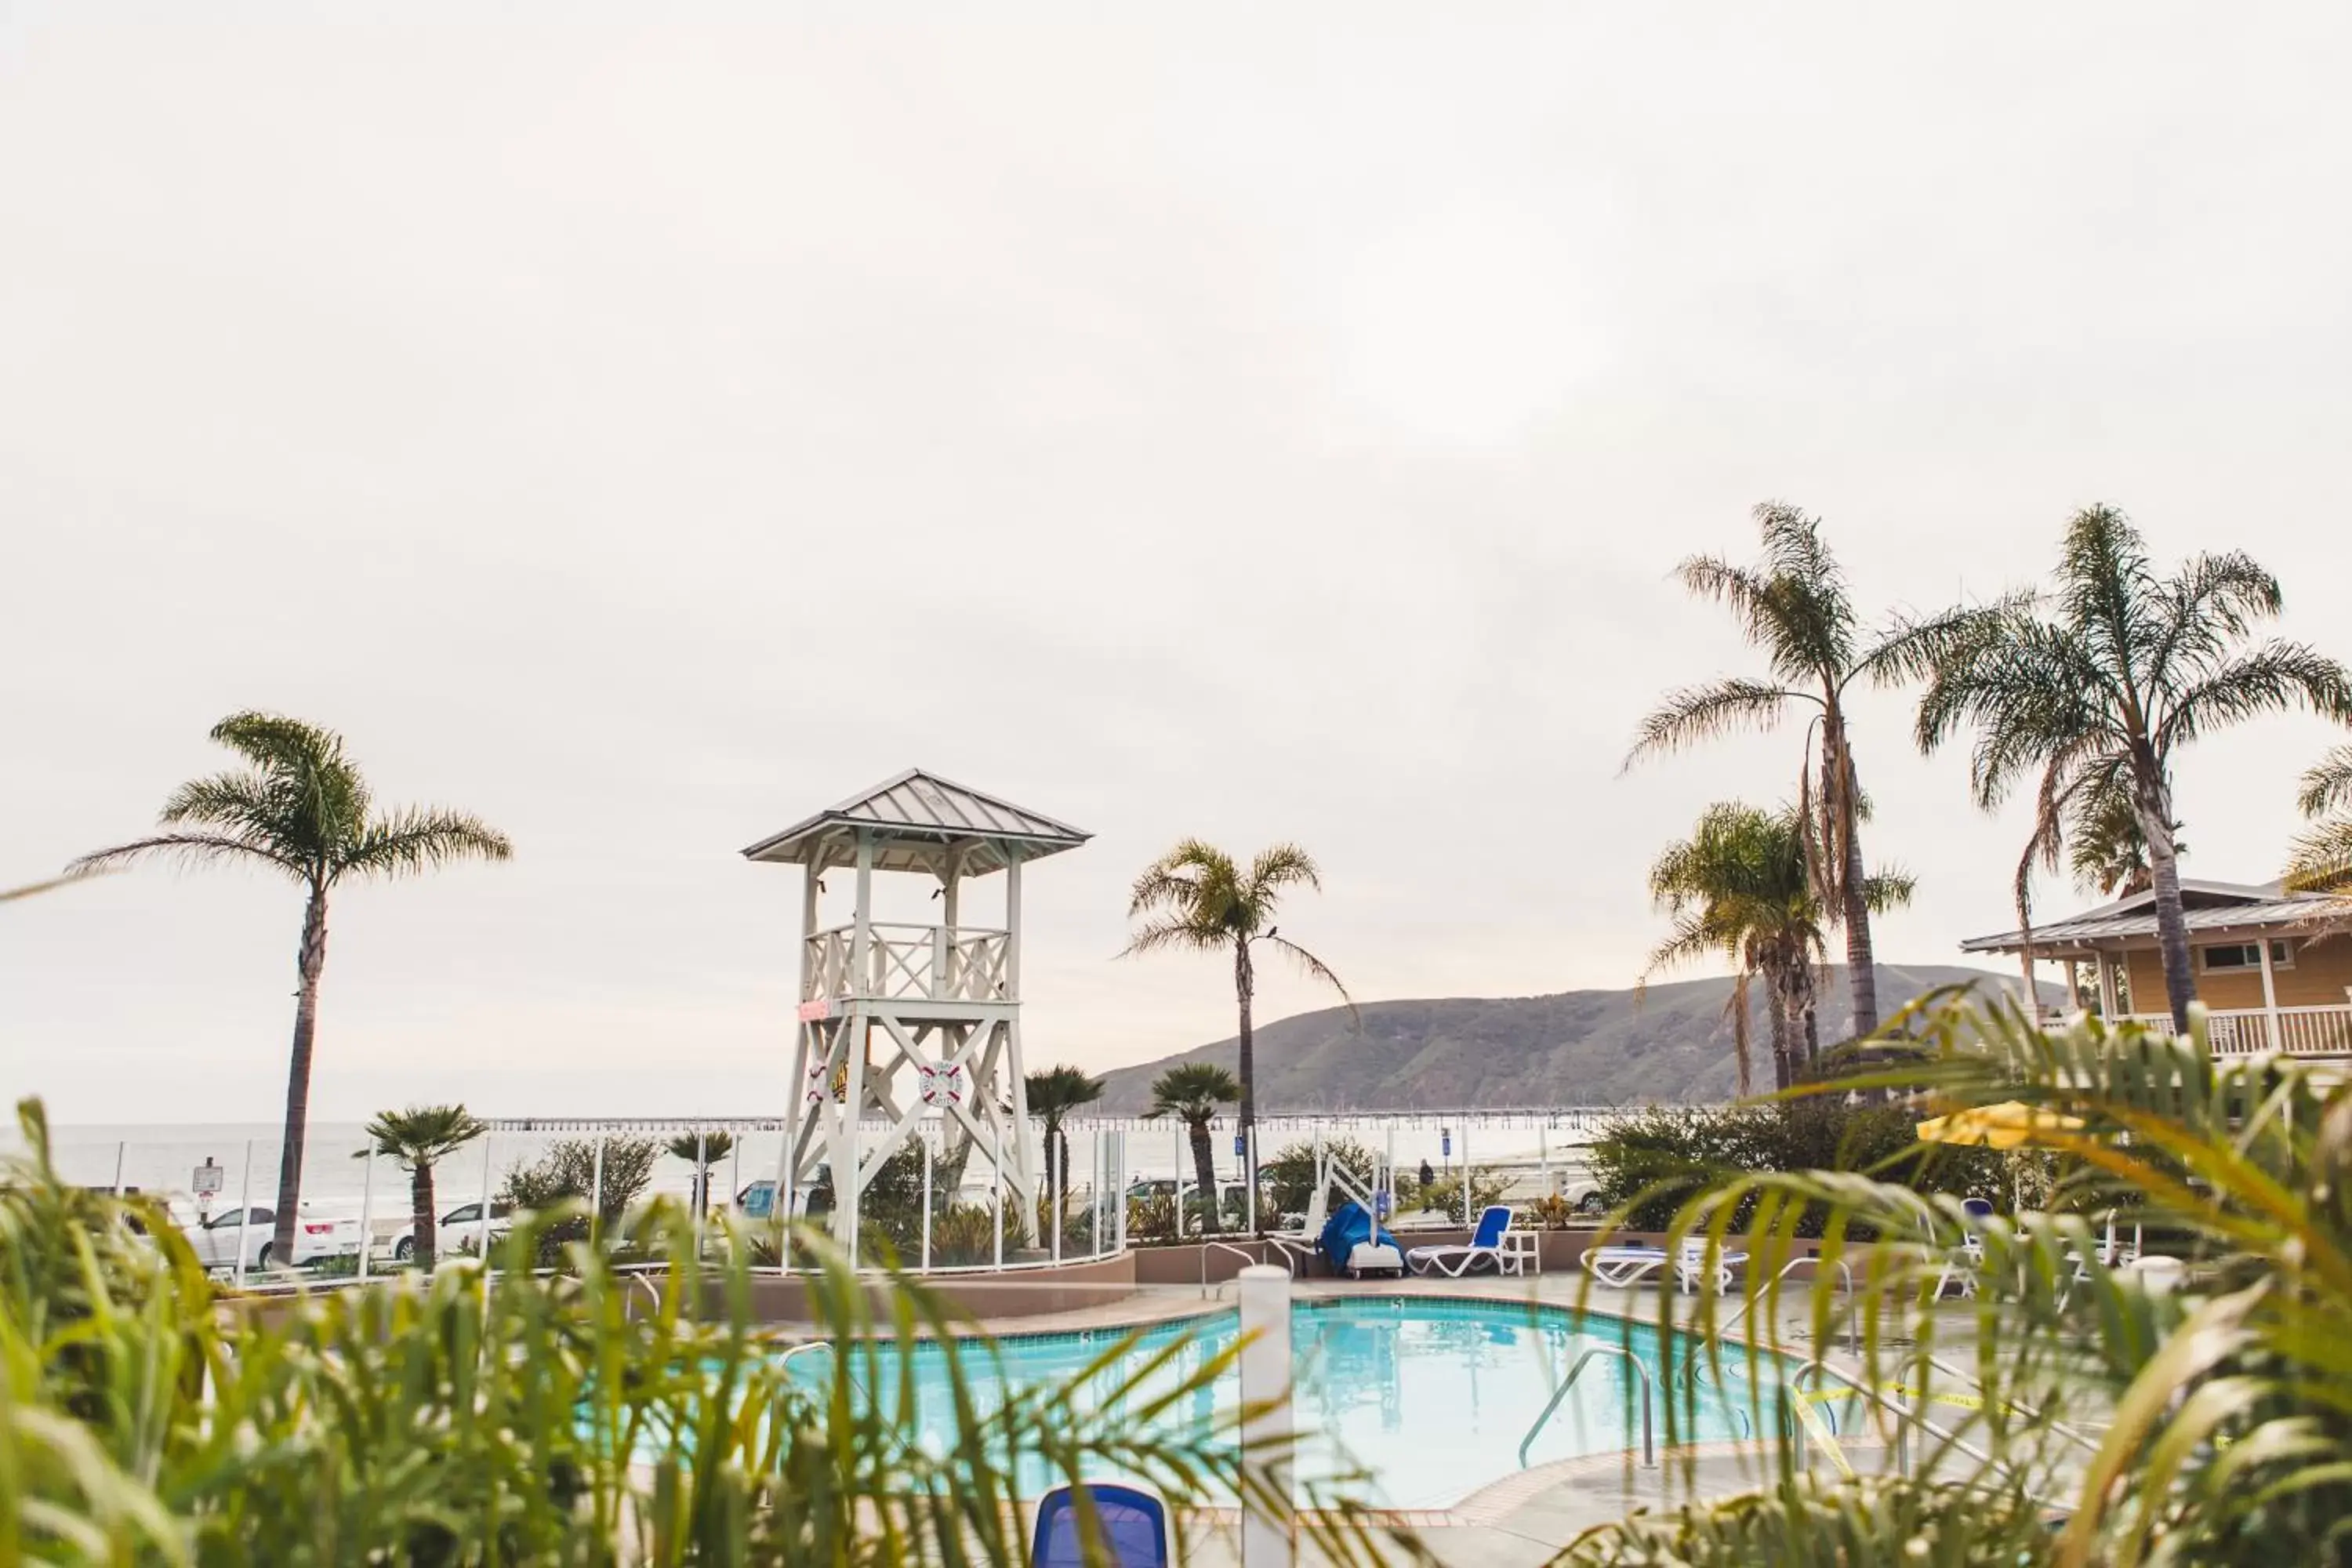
{"x":1665,"y":1042}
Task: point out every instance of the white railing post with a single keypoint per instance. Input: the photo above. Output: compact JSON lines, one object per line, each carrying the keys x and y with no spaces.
{"x":926,"y":1201}
{"x":1180,"y":1136}
{"x":244,"y":1210}
{"x":482,"y":1227}
{"x":121,"y":1147}
{"x":996,"y":1174}
{"x":595,"y":1189}
{"x":1267,"y":1523}
{"x":367,"y":1203}
{"x":1466,"y":1175}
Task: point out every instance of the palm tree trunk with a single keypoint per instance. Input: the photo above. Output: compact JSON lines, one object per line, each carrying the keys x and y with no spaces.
{"x":1244,"y":988}
{"x":1739,"y":1049}
{"x":1204,"y":1171}
{"x":1777,"y":1014}
{"x":423,"y":1236}
{"x":1845,"y":805}
{"x":2171,"y":923}
{"x":308,"y":964}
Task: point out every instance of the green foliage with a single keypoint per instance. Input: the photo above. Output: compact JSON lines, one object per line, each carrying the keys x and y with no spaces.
{"x":1443,"y":1195}
{"x":710,"y":1148}
{"x":422,"y":1134}
{"x":539,"y":1421}
{"x":1648,"y":1163}
{"x":964,"y":1232}
{"x":1191,"y":1093}
{"x":565,"y":1177}
{"x":2205,"y":1424}
{"x":2321,"y":859}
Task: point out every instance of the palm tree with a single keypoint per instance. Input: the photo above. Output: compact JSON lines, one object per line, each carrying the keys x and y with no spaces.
{"x":2098,"y":684}
{"x":301,"y":809}
{"x":1053,"y":1095}
{"x":2323,"y":856}
{"x":419,"y":1138}
{"x":1196,"y":897}
{"x":1738,"y":887}
{"x":1191,"y":1093}
{"x":1794,"y":607}
{"x":703,"y":1150}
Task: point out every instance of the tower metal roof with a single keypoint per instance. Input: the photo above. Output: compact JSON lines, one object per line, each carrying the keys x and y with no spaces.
{"x":915,"y":818}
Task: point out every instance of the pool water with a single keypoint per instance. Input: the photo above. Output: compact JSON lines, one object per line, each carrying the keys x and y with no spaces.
{"x":1429,"y":1398}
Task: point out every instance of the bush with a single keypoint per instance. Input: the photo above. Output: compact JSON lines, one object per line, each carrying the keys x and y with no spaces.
{"x":1656,"y":1157}
{"x":1443,"y":1195}
{"x":567,"y":1174}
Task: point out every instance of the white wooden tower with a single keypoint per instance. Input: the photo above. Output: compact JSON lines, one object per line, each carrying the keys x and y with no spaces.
{"x":901,"y":1022}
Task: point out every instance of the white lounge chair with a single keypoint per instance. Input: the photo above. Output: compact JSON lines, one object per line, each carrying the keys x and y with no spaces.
{"x":1622,"y":1266}
{"x":1485,"y":1247}
{"x":1692,"y":1268}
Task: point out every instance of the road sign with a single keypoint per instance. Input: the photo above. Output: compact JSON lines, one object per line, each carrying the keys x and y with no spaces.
{"x":206,"y":1180}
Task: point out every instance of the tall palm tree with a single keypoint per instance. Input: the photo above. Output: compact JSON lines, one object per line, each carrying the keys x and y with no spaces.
{"x":1198,"y":899}
{"x":2323,"y":857}
{"x":420,"y":1138}
{"x":703,"y":1150}
{"x":300,"y":808}
{"x":1191,"y":1093}
{"x":2097,"y":684}
{"x":1053,"y":1095}
{"x":1794,"y":607}
{"x":1739,"y":888}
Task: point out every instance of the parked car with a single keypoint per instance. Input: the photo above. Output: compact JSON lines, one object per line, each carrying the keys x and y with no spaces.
{"x":317,"y":1237}
{"x":758,"y":1200}
{"x":460,"y":1230}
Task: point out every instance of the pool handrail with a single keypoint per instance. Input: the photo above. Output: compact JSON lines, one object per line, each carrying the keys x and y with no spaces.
{"x":1649,"y":1398}
{"x":1853,"y":1323}
{"x":1235,"y":1249}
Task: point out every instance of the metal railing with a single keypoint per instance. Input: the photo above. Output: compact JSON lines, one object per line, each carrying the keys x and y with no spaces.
{"x":1247,"y":1257}
{"x":1853,"y":1321}
{"x":1649,"y":1399}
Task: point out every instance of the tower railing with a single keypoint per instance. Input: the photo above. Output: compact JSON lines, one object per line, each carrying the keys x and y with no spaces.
{"x":910,"y":962}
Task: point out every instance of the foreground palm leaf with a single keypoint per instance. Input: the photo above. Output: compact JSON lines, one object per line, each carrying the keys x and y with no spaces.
{"x":599,"y":1415}
{"x":2067,"y":1412}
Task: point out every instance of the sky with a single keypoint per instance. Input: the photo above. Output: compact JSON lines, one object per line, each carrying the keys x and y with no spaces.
{"x":643,"y":427}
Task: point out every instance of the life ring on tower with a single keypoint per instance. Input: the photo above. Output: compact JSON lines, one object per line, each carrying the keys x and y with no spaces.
{"x":941,"y":1084}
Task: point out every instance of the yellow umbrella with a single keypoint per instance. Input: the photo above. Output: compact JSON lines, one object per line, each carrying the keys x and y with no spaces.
{"x":2011,"y":1124}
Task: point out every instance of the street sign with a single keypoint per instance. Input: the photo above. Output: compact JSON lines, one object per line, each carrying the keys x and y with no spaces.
{"x":206,"y":1180}
{"x":1445,"y":1142}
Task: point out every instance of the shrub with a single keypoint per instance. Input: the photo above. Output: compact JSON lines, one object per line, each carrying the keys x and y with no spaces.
{"x":1656,"y":1157}
{"x":567,"y":1174}
{"x":1443,"y":1195}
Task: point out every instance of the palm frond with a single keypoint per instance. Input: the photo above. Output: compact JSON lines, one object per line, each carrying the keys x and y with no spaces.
{"x":2320,"y":861}
{"x":1280,"y":866}
{"x":187,"y":849}
{"x":1175,"y":936}
{"x":10,"y":895}
{"x":2214,"y":601}
{"x":1313,"y":968}
{"x":422,"y":1134}
{"x":2329,"y":783}
{"x":1888,"y":889}
{"x":1695,"y":713}
{"x":2275,"y":677}
{"x":421,"y":839}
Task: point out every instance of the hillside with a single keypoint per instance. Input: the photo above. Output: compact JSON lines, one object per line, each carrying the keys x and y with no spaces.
{"x":1579,"y":1048}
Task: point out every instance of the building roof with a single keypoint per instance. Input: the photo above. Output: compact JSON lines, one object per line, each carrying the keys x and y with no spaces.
{"x":916,"y":819}
{"x":2209,"y":908}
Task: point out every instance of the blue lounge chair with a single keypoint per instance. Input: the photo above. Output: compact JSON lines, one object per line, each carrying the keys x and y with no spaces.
{"x":1133,"y":1522}
{"x":1485,"y":1247}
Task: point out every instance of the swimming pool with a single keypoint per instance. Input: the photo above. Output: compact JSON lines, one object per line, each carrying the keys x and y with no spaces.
{"x":1432,"y":1397}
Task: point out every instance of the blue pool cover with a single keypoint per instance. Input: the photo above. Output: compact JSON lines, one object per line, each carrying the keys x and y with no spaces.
{"x":1343,"y":1230}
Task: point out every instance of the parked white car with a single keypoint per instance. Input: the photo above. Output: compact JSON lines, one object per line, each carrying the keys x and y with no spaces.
{"x":317,"y":1237}
{"x":459,"y":1231}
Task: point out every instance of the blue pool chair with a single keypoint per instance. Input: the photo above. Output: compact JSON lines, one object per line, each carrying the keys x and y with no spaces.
{"x":1133,"y":1522}
{"x":1485,"y":1247}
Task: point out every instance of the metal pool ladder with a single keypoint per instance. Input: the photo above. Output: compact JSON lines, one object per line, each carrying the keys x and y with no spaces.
{"x":1241,"y":1252}
{"x":1649,"y":1397}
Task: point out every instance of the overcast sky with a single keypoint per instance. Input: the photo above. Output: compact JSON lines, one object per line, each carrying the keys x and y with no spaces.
{"x":645,"y":425}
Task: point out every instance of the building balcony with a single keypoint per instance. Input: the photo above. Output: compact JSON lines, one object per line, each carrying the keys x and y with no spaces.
{"x":2324,"y":1031}
{"x":908,"y":963}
